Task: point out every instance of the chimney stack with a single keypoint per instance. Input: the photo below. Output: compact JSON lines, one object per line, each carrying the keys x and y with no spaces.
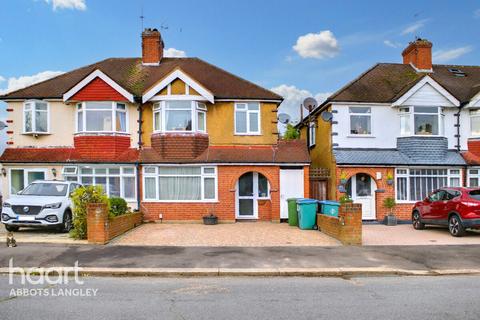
{"x":152,"y":47}
{"x":419,"y":54}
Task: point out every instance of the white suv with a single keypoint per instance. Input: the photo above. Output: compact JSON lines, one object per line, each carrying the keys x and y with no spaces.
{"x":41,"y":204}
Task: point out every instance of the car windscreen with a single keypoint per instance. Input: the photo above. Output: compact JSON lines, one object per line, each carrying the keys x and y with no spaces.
{"x":46,"y":189}
{"x":475,"y":194}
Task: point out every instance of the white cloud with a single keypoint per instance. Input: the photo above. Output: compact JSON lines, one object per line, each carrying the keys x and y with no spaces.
{"x":392,"y":44}
{"x":25,"y":81}
{"x":317,"y":45}
{"x":293,"y":98}
{"x":68,"y":4}
{"x":174,"y":53}
{"x":414,"y":27}
{"x":441,"y":56}
{"x":2,"y":79}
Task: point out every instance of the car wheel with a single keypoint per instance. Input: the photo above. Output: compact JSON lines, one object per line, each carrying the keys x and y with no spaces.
{"x":67,"y":222}
{"x":416,"y":222}
{"x":11,"y":228}
{"x":455,"y":226}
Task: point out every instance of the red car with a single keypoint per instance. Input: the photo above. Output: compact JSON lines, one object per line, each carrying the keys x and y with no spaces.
{"x":457,"y":208}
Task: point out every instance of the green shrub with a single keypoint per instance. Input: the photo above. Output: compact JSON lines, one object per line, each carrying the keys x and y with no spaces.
{"x":118,"y":206}
{"x":389,"y":203}
{"x":345,"y":199}
{"x":81,"y":197}
{"x":291,"y":133}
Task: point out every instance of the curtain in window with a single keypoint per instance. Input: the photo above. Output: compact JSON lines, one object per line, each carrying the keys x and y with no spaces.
{"x":114,"y":185}
{"x":16,"y":180}
{"x":180,"y":188}
{"x":241,"y":121}
{"x":150,"y":188}
{"x":129,"y":187}
{"x":121,"y":125}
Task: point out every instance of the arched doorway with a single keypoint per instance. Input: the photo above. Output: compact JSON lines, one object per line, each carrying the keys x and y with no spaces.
{"x":361,"y":189}
{"x":251,"y":187}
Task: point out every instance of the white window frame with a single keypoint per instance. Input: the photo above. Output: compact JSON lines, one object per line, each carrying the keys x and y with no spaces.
{"x":409,"y":113}
{"x":311,"y":134}
{"x":402,"y":172}
{"x":243,"y":107}
{"x":359,"y":114}
{"x":474,"y":113}
{"x":114,"y":117}
{"x":25,"y":176}
{"x":202,"y":174}
{"x":475,"y":175}
{"x":195,"y":108}
{"x":121,"y":175}
{"x":32,"y":104}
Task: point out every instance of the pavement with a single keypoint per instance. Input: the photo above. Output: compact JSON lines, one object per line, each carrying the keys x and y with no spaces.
{"x":37,"y":235}
{"x":366,"y":298}
{"x":272,"y":261}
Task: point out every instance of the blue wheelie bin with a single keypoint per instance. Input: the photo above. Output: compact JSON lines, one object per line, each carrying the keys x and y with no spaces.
{"x":307,"y":213}
{"x":329,"y":208}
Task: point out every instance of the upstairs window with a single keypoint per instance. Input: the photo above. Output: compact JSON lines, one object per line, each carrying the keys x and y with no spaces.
{"x":35,"y":117}
{"x":360,"y":120}
{"x":311,"y":134}
{"x":101,"y":117}
{"x":179,"y":116}
{"x":475,"y":122}
{"x":425,"y":121}
{"x":247,"y":118}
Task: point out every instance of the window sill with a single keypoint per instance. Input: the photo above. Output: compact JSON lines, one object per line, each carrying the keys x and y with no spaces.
{"x":101,"y":133}
{"x":36,"y":133}
{"x":247,"y":134}
{"x":421,"y":136}
{"x":360,"y":136}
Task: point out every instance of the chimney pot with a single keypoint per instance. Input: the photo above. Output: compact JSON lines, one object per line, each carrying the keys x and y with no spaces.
{"x":419,"y":54}
{"x":152,"y":47}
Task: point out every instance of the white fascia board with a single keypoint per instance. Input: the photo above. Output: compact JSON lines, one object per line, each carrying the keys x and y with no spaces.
{"x":98,"y":74}
{"x":474,"y":102}
{"x":421,"y":83}
{"x":178,"y":74}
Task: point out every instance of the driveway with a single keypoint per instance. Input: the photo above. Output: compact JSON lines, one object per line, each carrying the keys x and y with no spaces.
{"x":32,"y":235}
{"x":240,"y":234}
{"x":381,"y":235}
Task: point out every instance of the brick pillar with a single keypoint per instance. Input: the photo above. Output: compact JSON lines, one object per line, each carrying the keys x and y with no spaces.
{"x":97,"y":223}
{"x":350,"y":216}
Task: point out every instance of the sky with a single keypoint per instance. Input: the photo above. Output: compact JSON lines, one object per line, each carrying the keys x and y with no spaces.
{"x":295,"y":48}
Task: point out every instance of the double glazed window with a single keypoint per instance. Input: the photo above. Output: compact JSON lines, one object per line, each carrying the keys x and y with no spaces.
{"x":101,"y":117}
{"x":311,"y":134}
{"x":116,"y":181}
{"x":360,"y":120}
{"x":180,"y":183}
{"x":20,"y":178}
{"x":179,"y":116}
{"x":421,"y":121}
{"x":247,"y":118}
{"x":474,"y":178}
{"x":415,"y":184}
{"x":35,"y":117}
{"x":475,"y":122}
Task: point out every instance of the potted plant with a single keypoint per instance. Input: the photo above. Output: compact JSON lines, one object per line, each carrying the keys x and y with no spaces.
{"x":390,"y":219}
{"x":210,"y":219}
{"x":343,"y":178}
{"x":389,"y":178}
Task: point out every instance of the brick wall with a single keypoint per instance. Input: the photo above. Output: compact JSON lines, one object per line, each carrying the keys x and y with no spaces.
{"x":224,"y":209}
{"x":347,"y":228}
{"x":101,"y":229}
{"x":167,"y":144}
{"x":99,"y":146}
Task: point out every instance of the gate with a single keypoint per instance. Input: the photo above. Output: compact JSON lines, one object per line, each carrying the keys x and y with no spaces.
{"x":319,"y":183}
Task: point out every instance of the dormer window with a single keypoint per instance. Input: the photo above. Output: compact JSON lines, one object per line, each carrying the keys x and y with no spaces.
{"x":425,"y":121}
{"x":102,"y":116}
{"x":179,"y":116}
{"x":35,"y":117}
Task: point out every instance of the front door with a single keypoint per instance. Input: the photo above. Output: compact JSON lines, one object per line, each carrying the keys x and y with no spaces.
{"x":247,"y":204}
{"x":291,"y":186}
{"x":363,"y":192}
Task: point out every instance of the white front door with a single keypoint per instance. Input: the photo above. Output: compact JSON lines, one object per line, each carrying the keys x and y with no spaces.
{"x":291,"y":186}
{"x":363,"y":191}
{"x":247,"y":197}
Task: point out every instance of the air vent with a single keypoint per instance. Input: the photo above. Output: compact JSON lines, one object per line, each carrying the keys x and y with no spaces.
{"x":457,"y":72}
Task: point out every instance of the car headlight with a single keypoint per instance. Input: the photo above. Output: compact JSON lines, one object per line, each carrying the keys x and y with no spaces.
{"x":53,"y":205}
{"x":7,"y":205}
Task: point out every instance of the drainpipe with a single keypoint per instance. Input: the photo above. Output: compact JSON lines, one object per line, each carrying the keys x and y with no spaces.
{"x":140,"y":145}
{"x":137,"y":172}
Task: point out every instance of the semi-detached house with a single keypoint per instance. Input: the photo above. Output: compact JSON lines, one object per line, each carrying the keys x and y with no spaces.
{"x":178,"y":138}
{"x":400,"y":131}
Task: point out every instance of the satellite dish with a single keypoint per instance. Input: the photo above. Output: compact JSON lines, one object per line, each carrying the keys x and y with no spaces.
{"x":326,"y":116}
{"x":2,"y":125}
{"x":310,"y":103}
{"x":284,"y":118}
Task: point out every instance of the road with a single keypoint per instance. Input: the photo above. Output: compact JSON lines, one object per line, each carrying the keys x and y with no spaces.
{"x":253,"y":298}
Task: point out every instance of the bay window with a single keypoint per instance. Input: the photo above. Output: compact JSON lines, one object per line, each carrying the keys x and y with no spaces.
{"x":179,"y":116}
{"x":115,"y":181}
{"x":247,"y":118}
{"x":180,"y":183}
{"x":360,"y":120}
{"x":102,"y":116}
{"x":425,"y":121}
{"x":35,"y":117}
{"x":414,"y":184}
{"x":475,"y":122}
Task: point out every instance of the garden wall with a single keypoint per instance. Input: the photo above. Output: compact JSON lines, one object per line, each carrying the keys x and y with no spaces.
{"x":347,"y":227}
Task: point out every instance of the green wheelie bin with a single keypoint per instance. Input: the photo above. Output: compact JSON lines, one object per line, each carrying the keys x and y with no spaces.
{"x":307,"y":213}
{"x":292,"y":212}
